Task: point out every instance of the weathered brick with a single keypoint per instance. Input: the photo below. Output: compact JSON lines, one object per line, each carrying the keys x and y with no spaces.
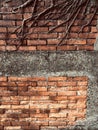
{"x":51,"y":35}
{"x":2,"y":42}
{"x":53,"y":41}
{"x":46,"y":48}
{"x":66,"y":48}
{"x":36,"y":42}
{"x":86,"y":47}
{"x":66,"y":83}
{"x":10,"y":48}
{"x":2,"y":48}
{"x":13,"y":128}
{"x":2,"y":79}
{"x":77,"y":42}
{"x":27,"y":48}
{"x":94,"y":30}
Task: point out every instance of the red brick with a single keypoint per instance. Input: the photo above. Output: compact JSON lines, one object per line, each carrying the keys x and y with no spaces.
{"x":46,"y":48}
{"x":50,"y":35}
{"x":53,"y":41}
{"x":36,"y":42}
{"x":73,"y":35}
{"x":91,"y":41}
{"x":75,"y":29}
{"x":32,"y":36}
{"x":60,"y":29}
{"x":4,"y":23}
{"x":66,"y":48}
{"x":13,"y":36}
{"x":40,"y":29}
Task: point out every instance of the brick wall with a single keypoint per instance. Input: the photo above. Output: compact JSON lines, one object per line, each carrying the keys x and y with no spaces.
{"x":30,"y":103}
{"x":39,"y":39}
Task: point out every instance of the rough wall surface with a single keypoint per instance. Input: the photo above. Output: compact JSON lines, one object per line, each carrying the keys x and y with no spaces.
{"x":44,"y":85}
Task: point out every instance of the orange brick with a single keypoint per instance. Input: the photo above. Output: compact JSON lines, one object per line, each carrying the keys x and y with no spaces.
{"x":2,"y":48}
{"x":39,"y":115}
{"x":82,"y":83}
{"x":62,"y":84}
{"x":42,"y":83}
{"x":13,"y":36}
{"x":10,"y":103}
{"x":72,"y":106}
{"x":12,"y":78}
{"x":82,"y":78}
{"x":2,"y":42}
{"x":38,"y":78}
{"x":67,"y":93}
{"x":3,"y":84}
{"x":58,"y":115}
{"x":76,"y":97}
{"x":94,"y":30}
{"x":27,"y":48}
{"x":41,"y":101}
{"x":77,"y":42}
{"x":52,"y":83}
{"x":57,"y":78}
{"x":58,"y":123}
{"x":3,"y":30}
{"x":60,"y":98}
{"x":3,"y":79}
{"x":39,"y":97}
{"x":10,"y":48}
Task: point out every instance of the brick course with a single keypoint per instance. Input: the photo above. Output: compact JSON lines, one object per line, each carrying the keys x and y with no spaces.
{"x":38,"y":103}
